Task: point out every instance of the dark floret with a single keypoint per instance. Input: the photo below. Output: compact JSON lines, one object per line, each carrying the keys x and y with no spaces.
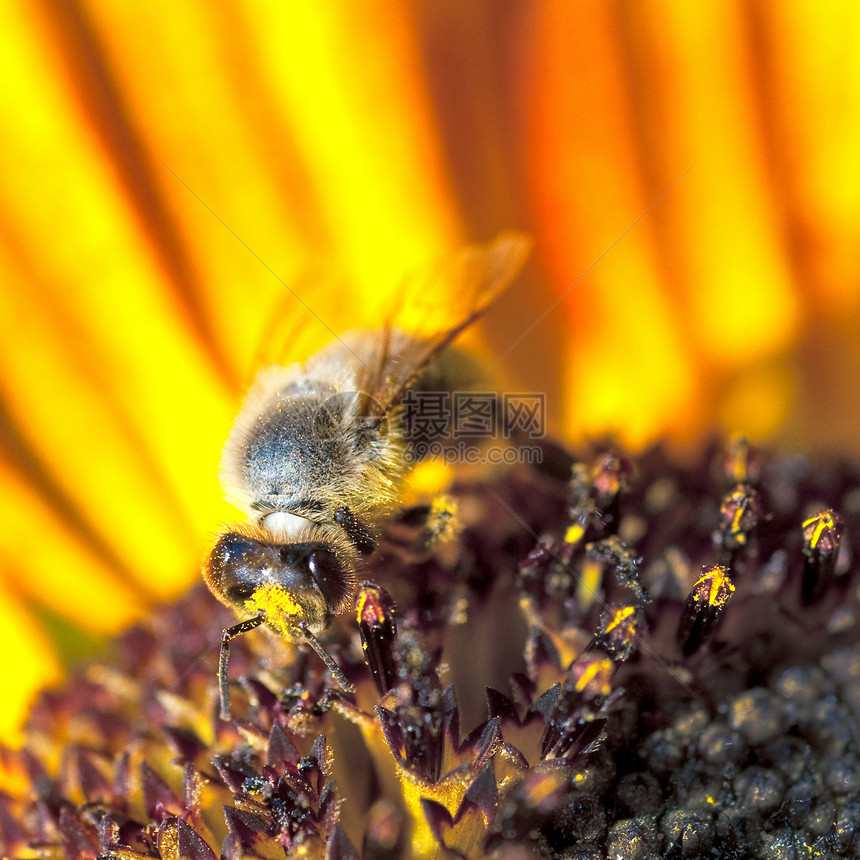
{"x":615,"y":658}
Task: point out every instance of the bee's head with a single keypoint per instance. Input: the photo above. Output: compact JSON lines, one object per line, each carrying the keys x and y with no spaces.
{"x":287,"y":583}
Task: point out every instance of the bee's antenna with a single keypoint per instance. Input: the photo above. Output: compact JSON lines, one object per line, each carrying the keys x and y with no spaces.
{"x":358,"y":533}
{"x":337,"y":673}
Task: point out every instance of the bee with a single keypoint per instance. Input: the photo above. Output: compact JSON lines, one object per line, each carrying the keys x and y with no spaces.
{"x":317,"y":459}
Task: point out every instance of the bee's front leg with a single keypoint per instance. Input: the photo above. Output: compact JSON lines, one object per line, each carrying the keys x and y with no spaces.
{"x":226,"y":635}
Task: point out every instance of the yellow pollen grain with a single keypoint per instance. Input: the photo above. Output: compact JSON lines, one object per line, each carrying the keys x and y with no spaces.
{"x":621,"y":615}
{"x":720,"y":591}
{"x":592,"y":673}
{"x":589,"y":582}
{"x":736,"y":523}
{"x":721,"y":588}
{"x":359,"y":610}
{"x":821,"y":522}
{"x":574,"y":533}
{"x":277,"y":605}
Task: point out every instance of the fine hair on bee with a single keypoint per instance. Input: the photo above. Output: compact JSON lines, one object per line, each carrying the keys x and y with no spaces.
{"x":318,"y":456}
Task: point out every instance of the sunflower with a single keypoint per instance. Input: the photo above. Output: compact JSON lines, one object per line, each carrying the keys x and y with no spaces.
{"x":174,"y":175}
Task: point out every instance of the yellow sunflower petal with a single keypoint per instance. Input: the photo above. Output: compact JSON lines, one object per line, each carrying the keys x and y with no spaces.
{"x":35,"y":665}
{"x":631,"y":370}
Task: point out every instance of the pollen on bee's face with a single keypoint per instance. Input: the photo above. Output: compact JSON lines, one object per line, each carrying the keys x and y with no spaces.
{"x":283,"y":609}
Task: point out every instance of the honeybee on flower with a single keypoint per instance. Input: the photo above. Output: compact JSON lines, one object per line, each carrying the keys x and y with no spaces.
{"x":318,"y":456}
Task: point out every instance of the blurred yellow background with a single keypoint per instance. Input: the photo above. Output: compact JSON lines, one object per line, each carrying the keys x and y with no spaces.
{"x":167,"y":167}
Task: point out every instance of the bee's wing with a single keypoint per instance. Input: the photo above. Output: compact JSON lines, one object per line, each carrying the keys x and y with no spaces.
{"x":302,"y":323}
{"x":435,"y":307}
{"x":431,"y":308}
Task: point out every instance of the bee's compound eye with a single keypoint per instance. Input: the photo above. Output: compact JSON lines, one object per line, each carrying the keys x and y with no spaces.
{"x":236,"y":567}
{"x":332,"y":575}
